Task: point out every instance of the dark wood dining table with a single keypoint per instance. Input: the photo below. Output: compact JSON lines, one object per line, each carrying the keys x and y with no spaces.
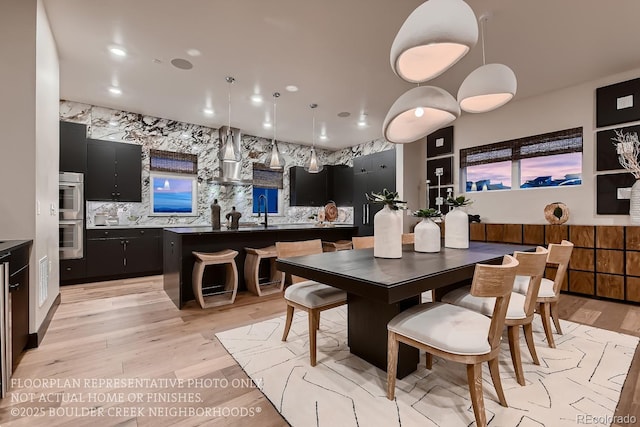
{"x":378,"y":289}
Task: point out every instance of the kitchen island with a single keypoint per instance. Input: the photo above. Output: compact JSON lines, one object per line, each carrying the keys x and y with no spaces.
{"x":179,"y":243}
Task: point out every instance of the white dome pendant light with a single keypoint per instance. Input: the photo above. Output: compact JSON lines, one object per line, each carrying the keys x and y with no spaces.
{"x":436,"y":35}
{"x":487,"y":87}
{"x":313,"y":165}
{"x":229,"y":152}
{"x":418,"y":112}
{"x":274,"y":158}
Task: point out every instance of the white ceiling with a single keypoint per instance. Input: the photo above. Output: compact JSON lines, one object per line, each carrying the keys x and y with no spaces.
{"x":335,"y":51}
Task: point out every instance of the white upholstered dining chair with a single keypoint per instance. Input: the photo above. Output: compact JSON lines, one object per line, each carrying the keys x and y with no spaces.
{"x":459,"y":334}
{"x":308,"y":295}
{"x":521,"y":307}
{"x":549,"y":292}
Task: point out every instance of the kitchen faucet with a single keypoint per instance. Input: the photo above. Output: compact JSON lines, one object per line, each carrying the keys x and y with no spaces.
{"x":266,"y":209}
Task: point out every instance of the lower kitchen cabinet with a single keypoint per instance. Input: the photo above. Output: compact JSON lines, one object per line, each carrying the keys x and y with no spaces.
{"x":118,"y":253}
{"x":19,"y":292}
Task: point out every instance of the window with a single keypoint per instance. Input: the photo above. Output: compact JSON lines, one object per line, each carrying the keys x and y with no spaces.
{"x":273,"y":202}
{"x":549,"y":160}
{"x":174,"y":194}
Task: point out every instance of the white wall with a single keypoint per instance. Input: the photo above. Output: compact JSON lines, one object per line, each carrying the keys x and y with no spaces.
{"x":46,"y":173}
{"x":29,"y":144}
{"x":563,"y":109}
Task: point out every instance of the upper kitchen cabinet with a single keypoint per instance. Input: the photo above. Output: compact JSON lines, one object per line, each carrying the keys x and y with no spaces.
{"x":340,"y":184}
{"x":334,"y":182}
{"x":371,"y":173}
{"x":307,"y":189}
{"x":73,"y":147}
{"x":114,"y":171}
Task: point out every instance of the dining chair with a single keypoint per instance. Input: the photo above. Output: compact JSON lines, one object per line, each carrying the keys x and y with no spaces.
{"x":549,"y":292}
{"x":459,"y":334}
{"x":521,"y":307}
{"x":408,"y":238}
{"x":363,"y":242}
{"x":308,"y":295}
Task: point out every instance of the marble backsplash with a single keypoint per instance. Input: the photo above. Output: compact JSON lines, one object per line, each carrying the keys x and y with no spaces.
{"x":162,"y":134}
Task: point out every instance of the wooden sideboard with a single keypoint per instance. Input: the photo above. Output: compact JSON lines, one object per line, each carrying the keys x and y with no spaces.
{"x":605,"y":261}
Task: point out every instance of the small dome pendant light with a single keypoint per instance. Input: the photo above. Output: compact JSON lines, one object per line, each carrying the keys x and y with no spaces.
{"x":487,"y":87}
{"x":313,"y":165}
{"x":274,"y":159}
{"x":229,"y":151}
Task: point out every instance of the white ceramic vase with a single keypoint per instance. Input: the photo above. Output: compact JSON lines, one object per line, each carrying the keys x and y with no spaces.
{"x":456,"y":229}
{"x":427,"y":236}
{"x":387,"y":233}
{"x":634,"y":208}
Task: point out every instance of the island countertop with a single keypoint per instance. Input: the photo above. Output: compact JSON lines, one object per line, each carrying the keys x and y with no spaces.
{"x":255,"y":228}
{"x":179,"y":243}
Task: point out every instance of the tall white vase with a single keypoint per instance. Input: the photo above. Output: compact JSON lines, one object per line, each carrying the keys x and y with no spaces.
{"x":427,"y":236}
{"x":387,"y":233}
{"x":456,"y":229}
{"x":634,"y":209}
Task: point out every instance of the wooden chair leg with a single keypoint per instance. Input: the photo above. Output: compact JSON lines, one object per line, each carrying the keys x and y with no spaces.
{"x":545,"y":314}
{"x":392,"y":364}
{"x":474,"y":376}
{"x":318,"y":321}
{"x":494,"y":370}
{"x":514,"y":348}
{"x":555,"y":317}
{"x":287,"y":324}
{"x":429,"y":361}
{"x":313,"y":323}
{"x":528,"y":336}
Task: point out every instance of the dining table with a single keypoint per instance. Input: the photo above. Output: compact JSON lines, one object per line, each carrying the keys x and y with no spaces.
{"x":380,"y":288}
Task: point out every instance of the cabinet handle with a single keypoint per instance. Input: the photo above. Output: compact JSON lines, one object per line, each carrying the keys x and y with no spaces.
{"x":14,"y":287}
{"x":141,"y":231}
{"x":118,"y":194}
{"x":113,"y":194}
{"x":364,"y":214}
{"x":68,"y":268}
{"x":368,"y":219}
{"x":363,"y":170}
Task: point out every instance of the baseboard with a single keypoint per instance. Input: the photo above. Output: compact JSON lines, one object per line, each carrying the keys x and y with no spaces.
{"x":36,"y":338}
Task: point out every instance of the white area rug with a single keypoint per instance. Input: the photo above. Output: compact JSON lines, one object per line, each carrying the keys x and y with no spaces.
{"x":582,"y":376}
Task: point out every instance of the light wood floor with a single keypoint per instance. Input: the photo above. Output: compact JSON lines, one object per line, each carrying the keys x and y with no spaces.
{"x":130,"y":329}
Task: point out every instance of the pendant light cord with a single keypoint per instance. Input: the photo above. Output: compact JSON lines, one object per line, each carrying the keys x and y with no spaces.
{"x":229,"y":80}
{"x":482,"y":21}
{"x":313,"y":126}
{"x":274,"y":121}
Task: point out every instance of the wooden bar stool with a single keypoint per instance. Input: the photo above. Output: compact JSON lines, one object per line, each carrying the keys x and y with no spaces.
{"x":270,"y":284}
{"x":215,"y":295}
{"x":340,"y":245}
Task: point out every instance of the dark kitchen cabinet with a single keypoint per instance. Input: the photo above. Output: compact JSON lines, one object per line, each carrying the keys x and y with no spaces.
{"x":114,"y":171}
{"x":72,"y":270}
{"x":307,"y":189}
{"x":371,"y":173}
{"x":19,"y":294}
{"x":335,"y":182}
{"x":117,"y":253}
{"x":340,"y":184}
{"x":73,"y":147}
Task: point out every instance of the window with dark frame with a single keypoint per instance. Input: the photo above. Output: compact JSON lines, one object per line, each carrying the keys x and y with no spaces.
{"x":552,"y":159}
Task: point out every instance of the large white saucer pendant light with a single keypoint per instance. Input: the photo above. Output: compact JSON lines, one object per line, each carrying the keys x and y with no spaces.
{"x":418,"y":112}
{"x":433,"y":38}
{"x":487,"y":87}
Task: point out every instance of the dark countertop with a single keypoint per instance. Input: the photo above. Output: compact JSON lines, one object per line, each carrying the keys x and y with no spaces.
{"x":10,"y":245}
{"x":254,"y":228}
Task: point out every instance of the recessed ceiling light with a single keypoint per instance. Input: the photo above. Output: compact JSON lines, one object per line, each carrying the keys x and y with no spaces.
{"x":362,"y":123}
{"x":324,"y":137}
{"x":208,"y":112}
{"x":291,"y":88}
{"x":344,"y":114}
{"x":182,"y":64}
{"x":118,"y":51}
{"x":157,"y":61}
{"x":267,"y":125}
{"x":115,"y":90}
{"x":194,"y":52}
{"x":256,"y":99}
